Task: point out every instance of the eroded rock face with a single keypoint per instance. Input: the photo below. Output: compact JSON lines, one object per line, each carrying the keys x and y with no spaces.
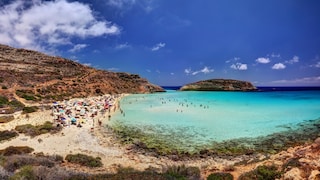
{"x":38,"y":76}
{"x":219,"y":85}
{"x":294,"y":173}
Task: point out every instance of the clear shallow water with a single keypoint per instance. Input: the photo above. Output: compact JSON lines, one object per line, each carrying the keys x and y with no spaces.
{"x":191,"y":119}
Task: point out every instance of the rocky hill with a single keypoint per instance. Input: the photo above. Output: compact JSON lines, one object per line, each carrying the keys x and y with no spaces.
{"x":34,"y":76}
{"x":219,"y":85}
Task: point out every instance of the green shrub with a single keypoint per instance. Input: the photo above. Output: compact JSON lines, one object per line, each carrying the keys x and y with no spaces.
{"x":16,"y":105}
{"x":26,"y":172}
{"x":11,"y":150}
{"x":5,"y":119}
{"x":6,"y":135}
{"x":84,"y":160}
{"x":32,"y":131}
{"x":15,"y":162}
{"x":3,"y":101}
{"x":183,"y":172}
{"x":27,"y":129}
{"x":30,"y":109}
{"x":261,"y":173}
{"x":55,"y":158}
{"x":126,"y":170}
{"x":220,"y":176}
{"x":26,"y":94}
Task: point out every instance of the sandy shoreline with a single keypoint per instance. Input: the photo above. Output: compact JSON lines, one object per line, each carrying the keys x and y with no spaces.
{"x":100,"y":142}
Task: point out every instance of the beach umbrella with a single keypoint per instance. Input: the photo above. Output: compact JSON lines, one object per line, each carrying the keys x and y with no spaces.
{"x":73,"y":119}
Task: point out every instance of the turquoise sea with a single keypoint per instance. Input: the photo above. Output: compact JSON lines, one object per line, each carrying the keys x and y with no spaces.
{"x":189,"y":120}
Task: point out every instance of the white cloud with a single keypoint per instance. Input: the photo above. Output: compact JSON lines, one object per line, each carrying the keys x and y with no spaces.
{"x":263,"y":60}
{"x":43,"y":24}
{"x":295,"y":59}
{"x":316,"y":61}
{"x":74,"y":58}
{"x":273,"y":55}
{"x":278,"y":66}
{"x":172,"y":73}
{"x":188,"y":71}
{"x":305,"y":80}
{"x":87,"y":64}
{"x":158,"y":46}
{"x":239,"y":66}
{"x":113,"y":69}
{"x":125,"y":5}
{"x":235,"y":59}
{"x":205,"y":70}
{"x":122,"y":46}
{"x":121,"y":3}
{"x":317,"y":65}
{"x":77,"y":47}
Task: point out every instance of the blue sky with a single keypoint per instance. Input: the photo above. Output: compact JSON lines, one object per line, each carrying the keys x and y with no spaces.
{"x":174,"y":42}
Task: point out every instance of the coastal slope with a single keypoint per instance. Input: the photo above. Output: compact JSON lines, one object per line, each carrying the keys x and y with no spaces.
{"x":35,"y":76}
{"x":219,"y":85}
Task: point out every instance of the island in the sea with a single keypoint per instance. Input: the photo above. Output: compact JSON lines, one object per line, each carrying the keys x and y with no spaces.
{"x":219,"y":85}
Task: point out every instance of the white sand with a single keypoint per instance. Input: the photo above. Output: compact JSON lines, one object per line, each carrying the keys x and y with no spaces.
{"x":73,"y":140}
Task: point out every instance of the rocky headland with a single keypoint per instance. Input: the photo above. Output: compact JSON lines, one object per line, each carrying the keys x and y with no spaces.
{"x":219,"y":85}
{"x":34,"y":76}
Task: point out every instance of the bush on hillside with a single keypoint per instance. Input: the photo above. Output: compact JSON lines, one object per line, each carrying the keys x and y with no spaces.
{"x":16,"y":105}
{"x":11,"y":150}
{"x":5,"y":119}
{"x":32,"y":131}
{"x":30,"y":109}
{"x":261,"y":173}
{"x":220,"y":176}
{"x":15,"y":162}
{"x":26,"y":172}
{"x":183,"y":172}
{"x":3,"y":101}
{"x":84,"y":160}
{"x":6,"y":135}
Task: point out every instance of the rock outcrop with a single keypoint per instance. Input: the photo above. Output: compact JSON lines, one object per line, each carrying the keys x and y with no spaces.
{"x":219,"y":85}
{"x":35,"y":76}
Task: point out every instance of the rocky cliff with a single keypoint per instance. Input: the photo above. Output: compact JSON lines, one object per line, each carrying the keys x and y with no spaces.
{"x":35,"y":76}
{"x":219,"y":85}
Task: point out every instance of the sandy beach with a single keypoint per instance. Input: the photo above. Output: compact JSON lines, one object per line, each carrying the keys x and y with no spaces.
{"x":96,"y":140}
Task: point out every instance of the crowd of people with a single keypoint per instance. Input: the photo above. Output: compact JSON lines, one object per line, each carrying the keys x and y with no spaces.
{"x":91,"y":110}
